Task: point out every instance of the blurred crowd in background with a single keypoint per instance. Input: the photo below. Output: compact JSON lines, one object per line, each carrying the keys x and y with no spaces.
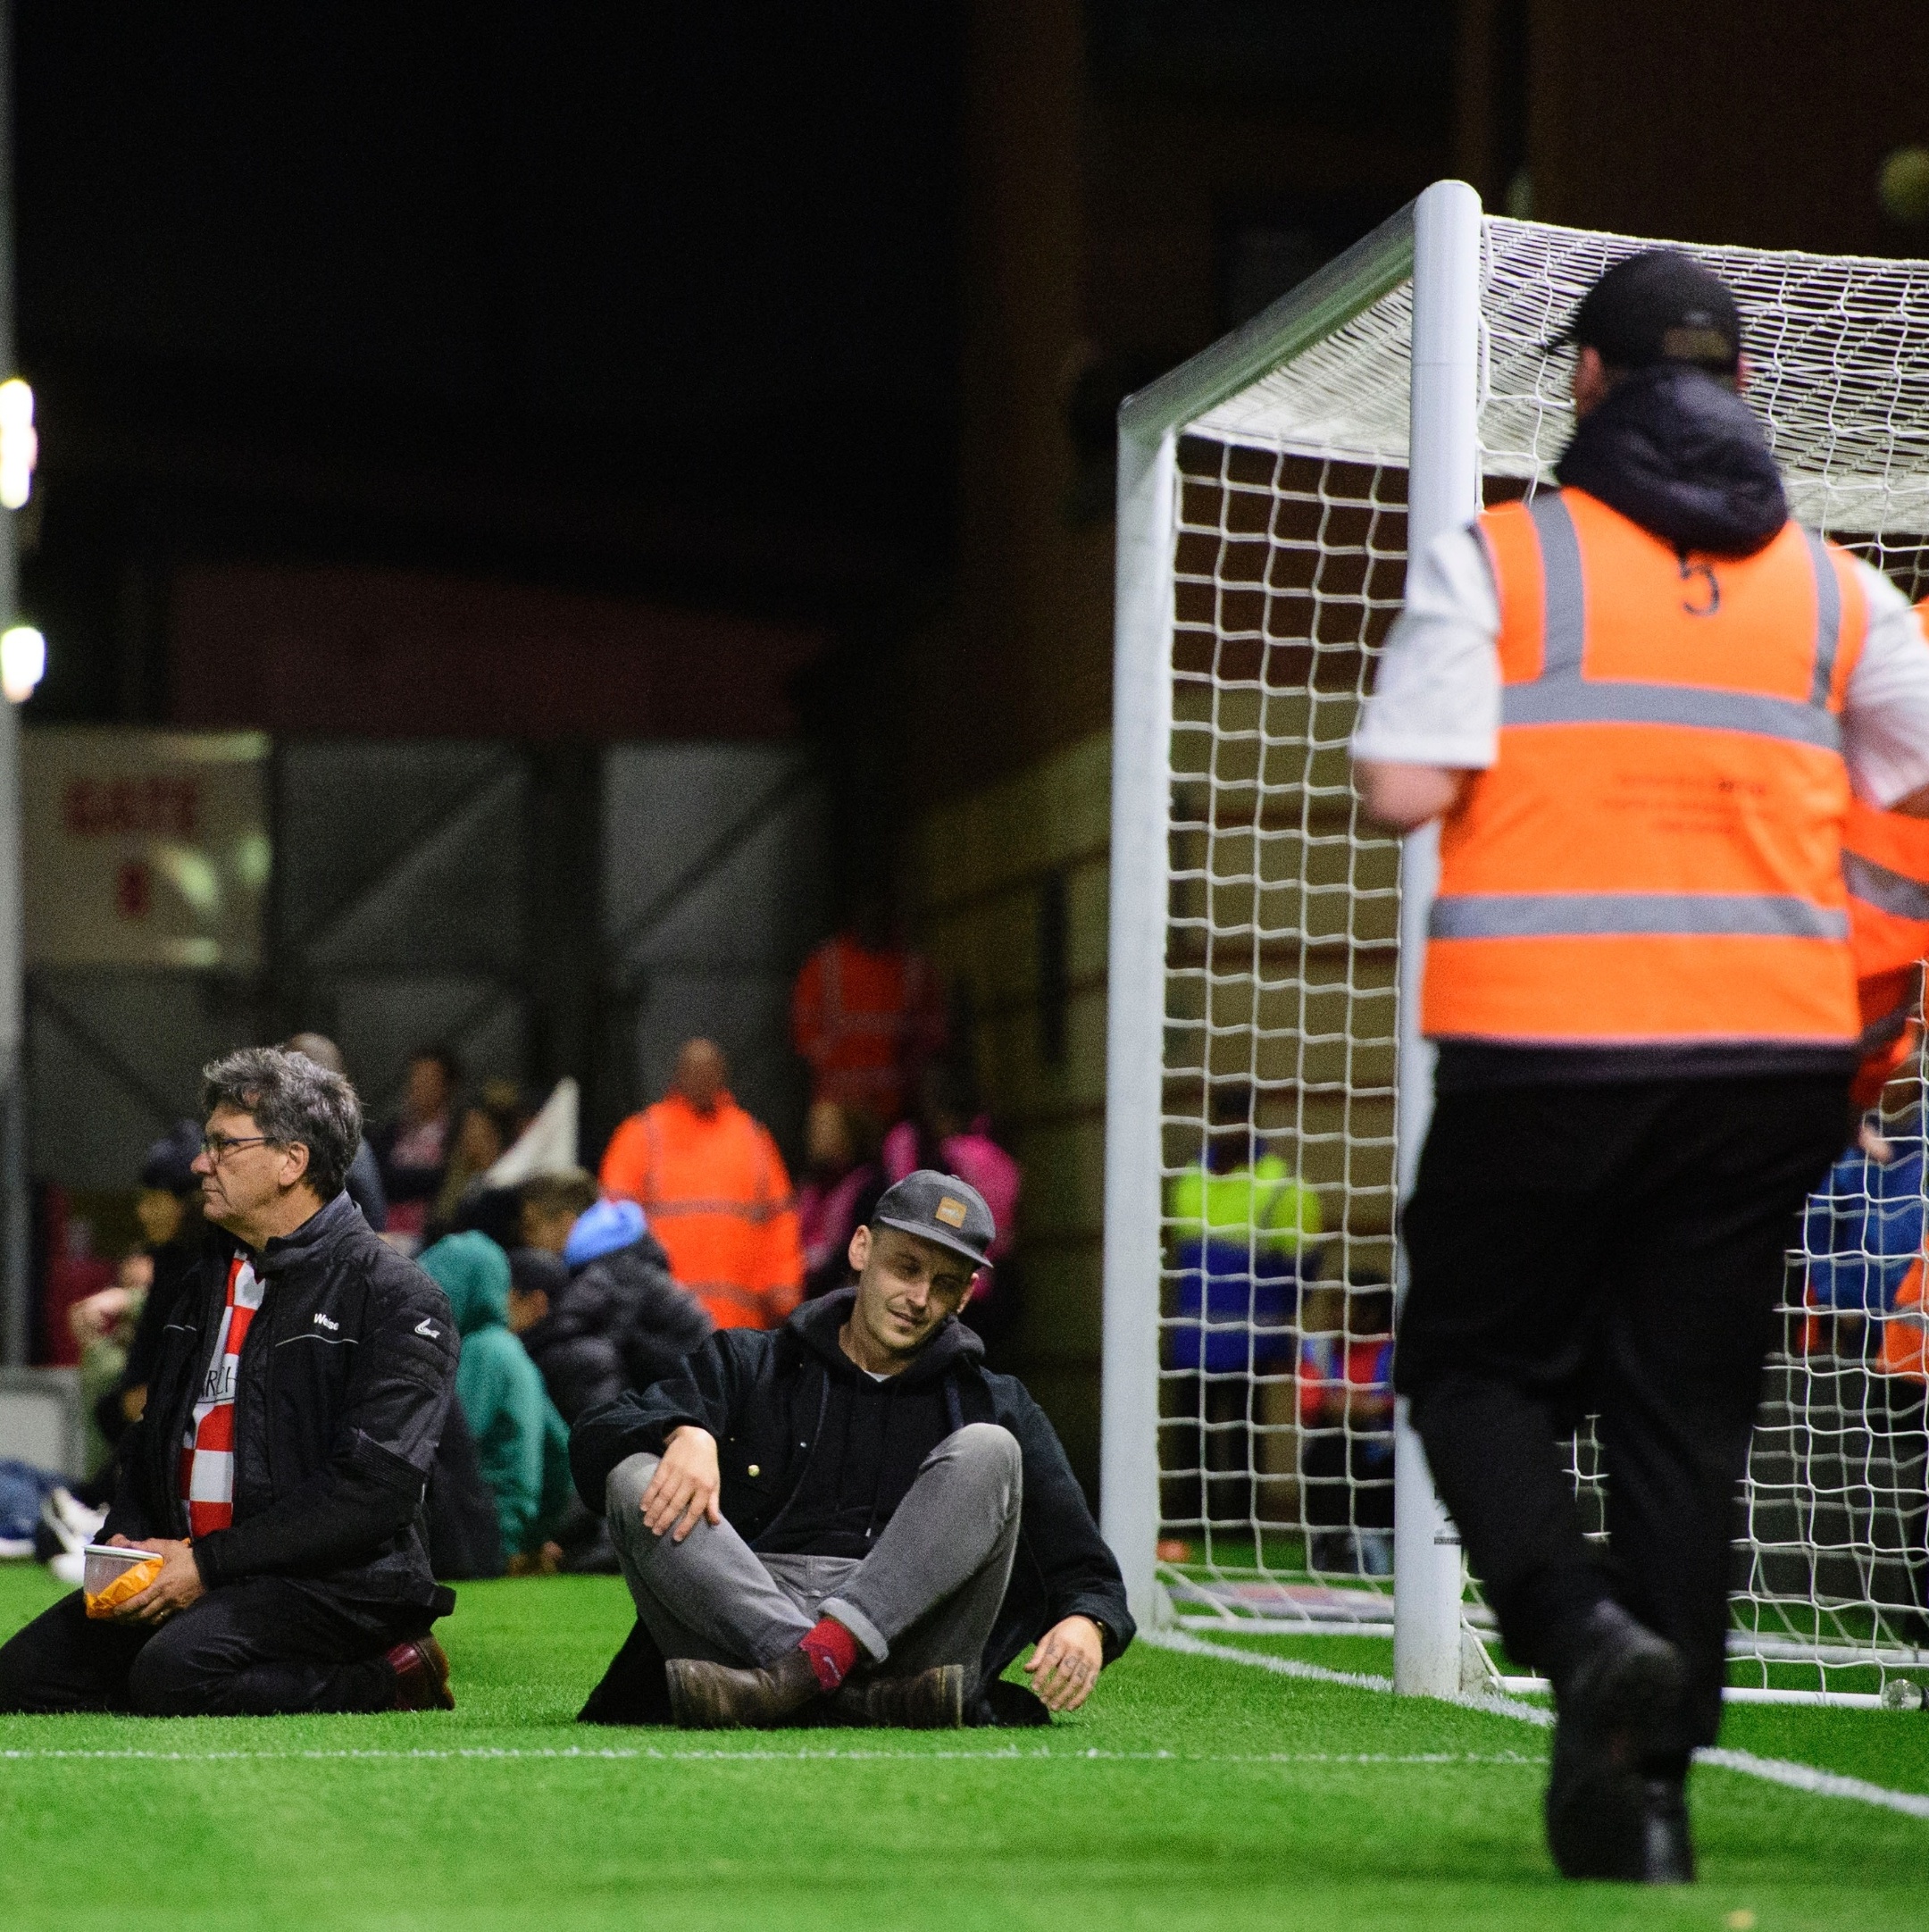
{"x":571,"y":1280}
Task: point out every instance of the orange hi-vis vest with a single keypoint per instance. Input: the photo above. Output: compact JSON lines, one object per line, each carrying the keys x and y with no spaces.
{"x":1885,"y":865}
{"x":718,"y":1199}
{"x":862,"y":1019}
{"x":1655,"y":856}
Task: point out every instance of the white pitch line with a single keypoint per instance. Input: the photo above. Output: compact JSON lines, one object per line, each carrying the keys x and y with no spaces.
{"x":1784,"y":1771}
{"x":1821,"y":1784}
{"x":1792,"y":1776}
{"x":1189,"y":1645}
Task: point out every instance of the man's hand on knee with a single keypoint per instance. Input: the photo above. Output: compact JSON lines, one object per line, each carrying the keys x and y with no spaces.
{"x":1066,"y":1663}
{"x":685,"y":1488}
{"x":177,"y":1587}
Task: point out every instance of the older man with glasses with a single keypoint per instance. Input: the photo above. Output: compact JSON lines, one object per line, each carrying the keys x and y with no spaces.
{"x":279,"y":1468}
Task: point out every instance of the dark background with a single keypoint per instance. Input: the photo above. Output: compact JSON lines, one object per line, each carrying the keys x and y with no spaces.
{"x":645,"y":300}
{"x":562,"y":378}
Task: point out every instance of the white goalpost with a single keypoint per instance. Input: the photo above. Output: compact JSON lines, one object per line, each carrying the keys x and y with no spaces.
{"x":1267,"y":1090}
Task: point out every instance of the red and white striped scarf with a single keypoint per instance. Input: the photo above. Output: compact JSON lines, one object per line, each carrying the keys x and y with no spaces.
{"x":207,"y":1449}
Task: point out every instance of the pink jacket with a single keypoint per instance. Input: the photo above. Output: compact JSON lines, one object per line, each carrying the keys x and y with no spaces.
{"x":975,"y":1157}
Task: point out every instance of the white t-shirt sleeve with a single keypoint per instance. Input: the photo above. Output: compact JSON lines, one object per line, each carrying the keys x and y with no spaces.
{"x":1886,"y":711}
{"x":1437,"y":700}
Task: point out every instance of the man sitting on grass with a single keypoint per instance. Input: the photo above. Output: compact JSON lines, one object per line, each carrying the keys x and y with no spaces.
{"x":279,"y":1468}
{"x":849,"y":1519}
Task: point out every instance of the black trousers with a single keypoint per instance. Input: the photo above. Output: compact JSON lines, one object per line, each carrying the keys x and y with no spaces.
{"x":1614,"y":1250}
{"x":1347,"y":1480}
{"x":1902,"y":1407}
{"x":268,"y":1645}
{"x":1207,"y":1431}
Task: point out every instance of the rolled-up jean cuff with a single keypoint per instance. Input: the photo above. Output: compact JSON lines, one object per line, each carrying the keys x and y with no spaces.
{"x":859,"y":1626}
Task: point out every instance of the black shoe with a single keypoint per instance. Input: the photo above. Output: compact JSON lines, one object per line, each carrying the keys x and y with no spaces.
{"x":1667,"y":1852}
{"x":1332,"y":1554}
{"x":1911,"y":1626}
{"x":1620,"y":1707}
{"x":718,"y":1697}
{"x":1005,"y":1706}
{"x":928,"y":1701}
{"x":597,"y":1557}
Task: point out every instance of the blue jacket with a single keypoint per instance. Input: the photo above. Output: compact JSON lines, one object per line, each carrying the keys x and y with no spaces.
{"x":1241,"y":1243}
{"x":1863,"y":1228}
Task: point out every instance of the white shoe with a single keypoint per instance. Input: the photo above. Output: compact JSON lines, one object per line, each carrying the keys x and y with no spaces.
{"x":72,"y":1521}
{"x":67,"y":1567}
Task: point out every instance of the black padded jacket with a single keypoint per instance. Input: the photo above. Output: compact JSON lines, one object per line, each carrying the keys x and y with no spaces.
{"x":618,"y":1322}
{"x":345,"y":1378}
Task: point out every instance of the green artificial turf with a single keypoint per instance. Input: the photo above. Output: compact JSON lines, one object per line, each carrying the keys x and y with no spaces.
{"x":1191,"y":1793}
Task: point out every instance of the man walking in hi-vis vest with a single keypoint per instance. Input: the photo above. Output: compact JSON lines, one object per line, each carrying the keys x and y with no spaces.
{"x":1638,"y":704}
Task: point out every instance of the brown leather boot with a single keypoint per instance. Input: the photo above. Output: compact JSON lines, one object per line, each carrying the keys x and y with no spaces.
{"x":718,"y":1697}
{"x":422,"y":1676}
{"x":927,"y":1700}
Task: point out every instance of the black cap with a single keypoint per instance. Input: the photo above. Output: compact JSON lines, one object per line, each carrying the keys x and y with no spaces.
{"x":1662,"y":306}
{"x":939,"y":1207}
{"x":169,"y":1164}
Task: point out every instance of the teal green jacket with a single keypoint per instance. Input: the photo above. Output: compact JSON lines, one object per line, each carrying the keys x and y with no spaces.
{"x":521,"y":1443}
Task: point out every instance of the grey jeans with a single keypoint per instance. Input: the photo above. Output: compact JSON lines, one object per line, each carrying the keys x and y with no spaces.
{"x":928,"y":1594}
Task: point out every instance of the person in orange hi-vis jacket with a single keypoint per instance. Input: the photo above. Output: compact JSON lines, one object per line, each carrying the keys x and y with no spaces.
{"x":867,"y":1015}
{"x":1640,"y":706}
{"x":1885,"y":863}
{"x":718,"y":1198}
{"x":1902,"y":1359}
{"x":1885,"y":867}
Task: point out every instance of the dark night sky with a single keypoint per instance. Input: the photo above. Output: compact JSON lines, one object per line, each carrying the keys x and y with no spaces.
{"x":661,"y":301}
{"x":581,"y":212}
{"x":613,"y":293}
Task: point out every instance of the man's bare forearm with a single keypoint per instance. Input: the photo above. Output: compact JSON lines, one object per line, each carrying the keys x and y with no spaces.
{"x":1405,"y":797}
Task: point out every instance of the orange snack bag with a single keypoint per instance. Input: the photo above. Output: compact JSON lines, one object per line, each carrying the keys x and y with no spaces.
{"x":128,"y":1584}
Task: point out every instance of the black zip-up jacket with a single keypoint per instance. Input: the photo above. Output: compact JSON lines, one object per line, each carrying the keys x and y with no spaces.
{"x":344,"y":1378}
{"x":834,"y":1452}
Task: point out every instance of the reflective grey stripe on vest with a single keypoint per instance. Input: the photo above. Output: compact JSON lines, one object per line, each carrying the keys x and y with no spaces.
{"x":1580,"y":702}
{"x":1564,"y":615}
{"x":1633,"y":915}
{"x":1563,"y":695}
{"x":1828,"y":618}
{"x":1888,"y":891}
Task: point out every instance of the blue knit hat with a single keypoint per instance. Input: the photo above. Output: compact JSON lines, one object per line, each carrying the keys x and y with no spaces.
{"x":602,"y":1229}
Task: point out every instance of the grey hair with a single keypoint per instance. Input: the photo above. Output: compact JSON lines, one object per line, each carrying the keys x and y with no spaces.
{"x":296,"y":1103}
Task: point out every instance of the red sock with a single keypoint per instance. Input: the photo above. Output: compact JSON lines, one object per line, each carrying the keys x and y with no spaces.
{"x":831,"y":1649}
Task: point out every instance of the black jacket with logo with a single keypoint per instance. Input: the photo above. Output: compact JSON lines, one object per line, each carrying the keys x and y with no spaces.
{"x":815,"y":1457}
{"x":344,"y":1378}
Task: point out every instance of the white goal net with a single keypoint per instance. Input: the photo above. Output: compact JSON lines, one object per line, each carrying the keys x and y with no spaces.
{"x":1256,"y":954}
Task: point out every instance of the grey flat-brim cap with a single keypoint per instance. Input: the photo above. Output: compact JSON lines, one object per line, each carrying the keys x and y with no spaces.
{"x":942,"y":1208}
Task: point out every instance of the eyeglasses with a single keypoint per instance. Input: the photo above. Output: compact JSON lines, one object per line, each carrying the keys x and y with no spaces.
{"x":217,"y":1147}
